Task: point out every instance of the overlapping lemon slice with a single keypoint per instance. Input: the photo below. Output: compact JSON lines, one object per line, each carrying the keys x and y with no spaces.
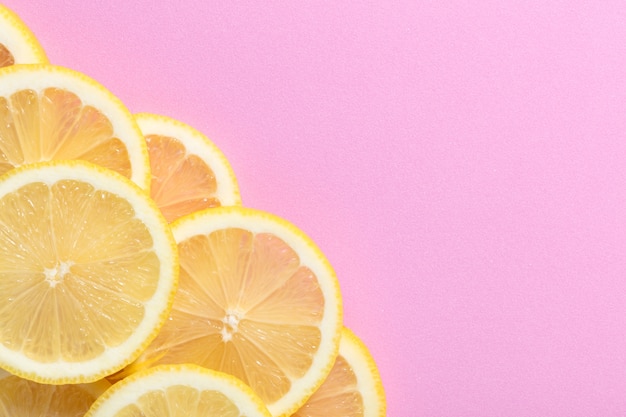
{"x":257,"y":299}
{"x":88,"y":271}
{"x":189,"y":173}
{"x":179,"y":391}
{"x":352,"y":389}
{"x":54,"y":113}
{"x":20,"y":397}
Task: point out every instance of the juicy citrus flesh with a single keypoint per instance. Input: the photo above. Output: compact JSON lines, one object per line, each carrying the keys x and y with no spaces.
{"x":52,"y":113}
{"x":353,"y":387}
{"x":6,"y":57}
{"x":87,"y":271}
{"x":192,"y":190}
{"x":256,"y":300}
{"x":234,"y":332}
{"x":21,"y":397}
{"x":181,"y":401}
{"x":338,"y":395}
{"x":179,"y":391}
{"x":54,"y":124}
{"x":18,"y":44}
{"x":189,"y":173}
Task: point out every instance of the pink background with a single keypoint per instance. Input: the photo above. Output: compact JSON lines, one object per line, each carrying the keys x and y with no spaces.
{"x":461,"y":163}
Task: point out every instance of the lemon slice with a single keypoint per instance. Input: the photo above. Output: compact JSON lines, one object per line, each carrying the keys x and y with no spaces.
{"x":20,"y":397}
{"x":51,"y":113}
{"x":88,"y":271}
{"x":18,"y":44}
{"x":257,"y":299}
{"x":179,"y":391}
{"x":189,"y":172}
{"x":352,"y":389}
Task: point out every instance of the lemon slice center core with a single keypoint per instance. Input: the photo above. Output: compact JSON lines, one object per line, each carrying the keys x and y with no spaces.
{"x":55,"y":275}
{"x":231,"y":324}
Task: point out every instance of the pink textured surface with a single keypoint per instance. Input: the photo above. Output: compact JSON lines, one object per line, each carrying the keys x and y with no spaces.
{"x":462,"y":165}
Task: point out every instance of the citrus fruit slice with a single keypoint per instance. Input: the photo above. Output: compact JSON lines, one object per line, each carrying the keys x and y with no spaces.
{"x":189,"y":172}
{"x":18,"y":44}
{"x":352,"y":389}
{"x":50,"y":112}
{"x":257,"y":299}
{"x":179,"y":391}
{"x":20,"y":397}
{"x":88,"y":271}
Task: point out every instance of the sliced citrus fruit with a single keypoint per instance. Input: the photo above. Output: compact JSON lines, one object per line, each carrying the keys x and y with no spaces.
{"x":21,"y":397}
{"x":352,"y":389}
{"x":257,"y":299}
{"x":50,"y":112}
{"x":189,"y":172}
{"x":179,"y":391}
{"x":18,"y":44}
{"x":88,"y":271}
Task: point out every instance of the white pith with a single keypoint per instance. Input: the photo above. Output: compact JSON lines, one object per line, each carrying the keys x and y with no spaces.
{"x":15,"y":36}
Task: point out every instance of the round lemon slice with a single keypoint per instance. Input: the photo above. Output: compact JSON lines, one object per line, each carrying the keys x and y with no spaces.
{"x":179,"y":391}
{"x":88,"y":271}
{"x":257,"y":299}
{"x":18,"y":44}
{"x":189,"y":172}
{"x":54,"y":113}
